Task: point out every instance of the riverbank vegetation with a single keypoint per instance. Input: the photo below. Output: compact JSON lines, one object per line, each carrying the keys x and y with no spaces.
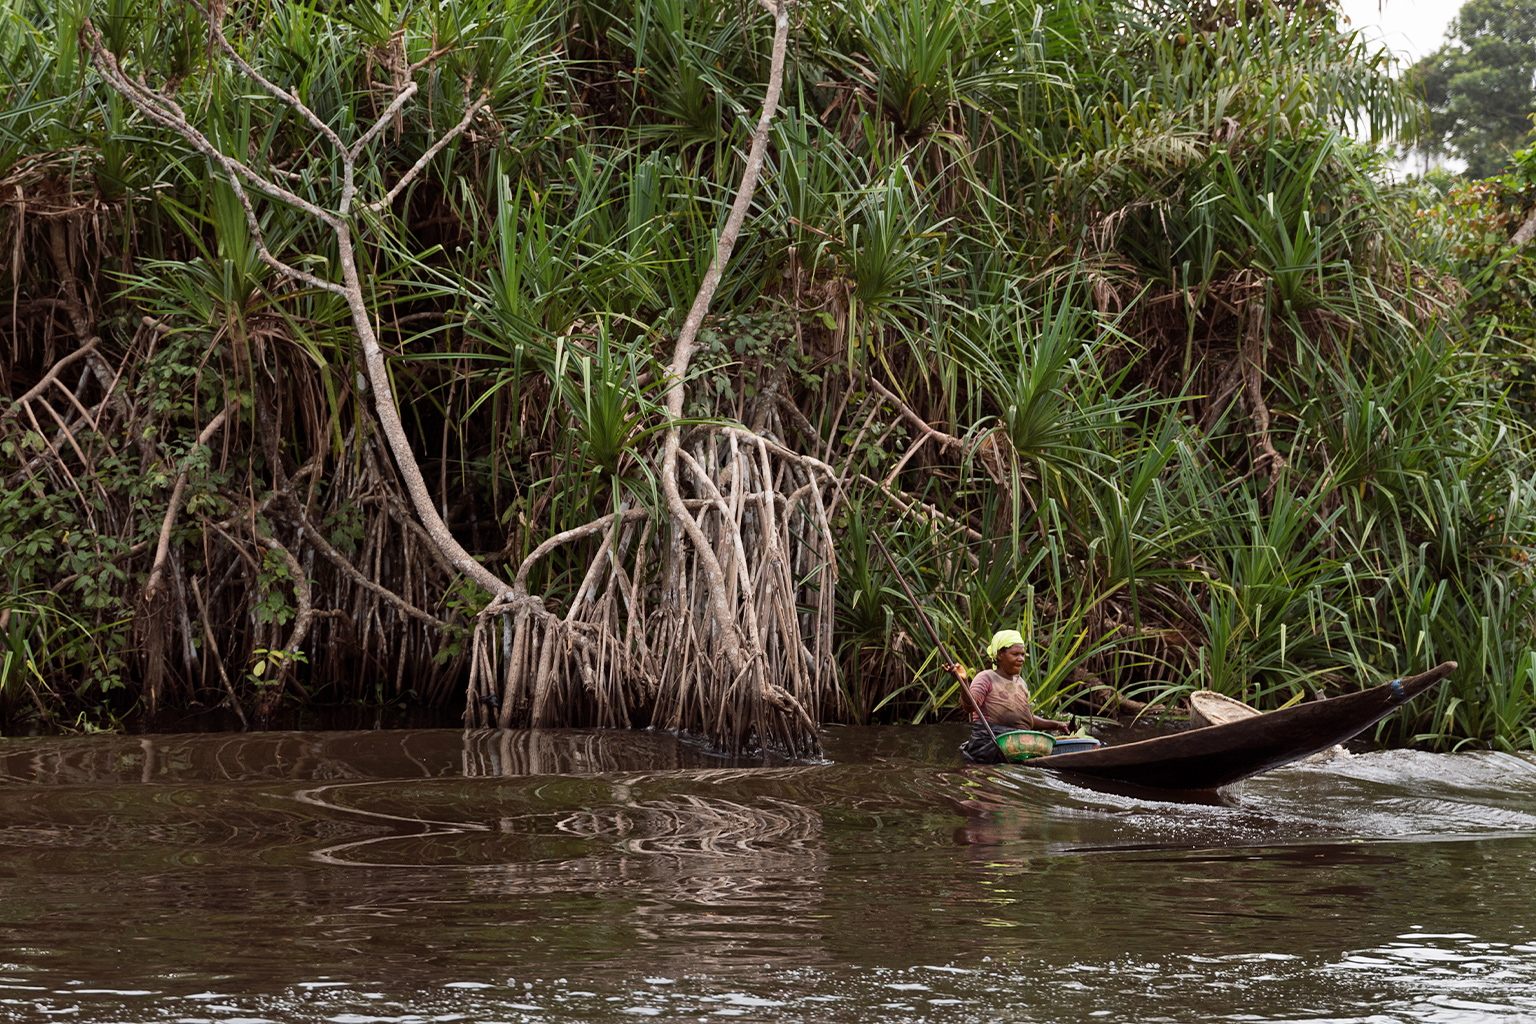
{"x":1104,"y":316}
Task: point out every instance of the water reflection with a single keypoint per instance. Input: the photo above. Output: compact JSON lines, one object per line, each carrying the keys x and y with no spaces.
{"x":602,"y":876}
{"x":426,"y":753}
{"x":697,"y":825}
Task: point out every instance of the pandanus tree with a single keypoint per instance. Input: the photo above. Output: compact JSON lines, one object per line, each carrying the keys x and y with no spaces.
{"x":725,"y":654}
{"x":558,"y":360}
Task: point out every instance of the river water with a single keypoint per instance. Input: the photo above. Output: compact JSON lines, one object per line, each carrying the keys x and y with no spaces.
{"x":433,"y":875}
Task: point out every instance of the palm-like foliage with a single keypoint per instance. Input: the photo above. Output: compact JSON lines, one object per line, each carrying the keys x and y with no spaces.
{"x":1163,"y":377}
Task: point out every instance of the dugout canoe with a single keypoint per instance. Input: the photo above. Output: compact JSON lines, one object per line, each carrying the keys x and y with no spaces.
{"x":1218,"y":755}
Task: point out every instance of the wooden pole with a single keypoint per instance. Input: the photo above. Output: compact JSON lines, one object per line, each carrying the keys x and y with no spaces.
{"x":965,"y":690}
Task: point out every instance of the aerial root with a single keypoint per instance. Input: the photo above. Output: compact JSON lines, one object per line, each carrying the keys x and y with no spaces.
{"x":639,"y":643}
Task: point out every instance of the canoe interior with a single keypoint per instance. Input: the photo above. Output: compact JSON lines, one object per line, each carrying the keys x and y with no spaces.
{"x":1208,"y":708}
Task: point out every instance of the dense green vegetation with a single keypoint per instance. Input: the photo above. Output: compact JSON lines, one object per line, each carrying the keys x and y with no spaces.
{"x":1100,"y":314}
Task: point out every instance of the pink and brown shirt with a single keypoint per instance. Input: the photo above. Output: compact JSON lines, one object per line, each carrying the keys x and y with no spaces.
{"x":1003,"y":700}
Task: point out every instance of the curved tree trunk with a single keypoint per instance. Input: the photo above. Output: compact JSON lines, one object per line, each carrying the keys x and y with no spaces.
{"x":741,"y":675}
{"x":724,"y":652}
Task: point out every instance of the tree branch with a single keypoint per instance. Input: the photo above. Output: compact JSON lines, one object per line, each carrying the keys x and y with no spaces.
{"x":256,"y":76}
{"x":520,"y":582}
{"x":382,"y":123}
{"x":49,"y":378}
{"x":351,"y":572}
{"x":947,"y":440}
{"x":1526,"y":233}
{"x":166,"y":113}
{"x":433,"y":150}
{"x":687,"y":339}
{"x":218,"y":659}
{"x":163,"y":548}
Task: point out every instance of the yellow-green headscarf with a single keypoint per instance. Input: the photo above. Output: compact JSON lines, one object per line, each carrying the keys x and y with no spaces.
{"x":1003,"y":638}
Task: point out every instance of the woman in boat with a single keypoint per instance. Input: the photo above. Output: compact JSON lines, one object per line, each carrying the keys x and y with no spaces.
{"x":1002,"y":697}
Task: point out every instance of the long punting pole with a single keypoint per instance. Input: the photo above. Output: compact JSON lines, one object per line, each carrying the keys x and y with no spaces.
{"x":965,"y":690}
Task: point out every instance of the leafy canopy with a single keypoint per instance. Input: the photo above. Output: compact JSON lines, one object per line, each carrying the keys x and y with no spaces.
{"x":1480,"y":86}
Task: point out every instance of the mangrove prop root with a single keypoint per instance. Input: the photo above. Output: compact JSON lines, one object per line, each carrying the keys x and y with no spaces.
{"x":725,"y":561}
{"x":710,"y":615}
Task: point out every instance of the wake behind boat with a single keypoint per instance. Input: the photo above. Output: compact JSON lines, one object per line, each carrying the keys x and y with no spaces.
{"x":1218,"y":755}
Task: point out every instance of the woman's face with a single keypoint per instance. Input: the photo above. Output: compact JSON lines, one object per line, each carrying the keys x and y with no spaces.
{"x":1010,"y":660}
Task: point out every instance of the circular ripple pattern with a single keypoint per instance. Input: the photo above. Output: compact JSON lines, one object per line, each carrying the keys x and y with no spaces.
{"x":441,"y":876}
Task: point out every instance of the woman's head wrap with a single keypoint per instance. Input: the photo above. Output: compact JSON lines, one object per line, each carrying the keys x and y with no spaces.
{"x":1003,"y":638}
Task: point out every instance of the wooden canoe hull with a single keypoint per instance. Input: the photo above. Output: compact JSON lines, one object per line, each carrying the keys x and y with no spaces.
{"x":1218,"y":755}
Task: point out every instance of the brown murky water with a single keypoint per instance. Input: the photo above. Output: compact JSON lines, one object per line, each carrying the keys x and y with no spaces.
{"x":430,"y":875}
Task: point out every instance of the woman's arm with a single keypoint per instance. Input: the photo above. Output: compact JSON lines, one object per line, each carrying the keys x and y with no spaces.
{"x":980,"y":687}
{"x":1042,"y":724}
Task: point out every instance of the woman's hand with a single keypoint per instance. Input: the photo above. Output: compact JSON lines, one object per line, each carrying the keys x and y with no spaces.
{"x":1051,"y":723}
{"x":958,"y":671}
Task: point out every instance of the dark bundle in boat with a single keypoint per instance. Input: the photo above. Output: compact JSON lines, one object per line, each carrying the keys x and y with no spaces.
{"x":1221,"y":754}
